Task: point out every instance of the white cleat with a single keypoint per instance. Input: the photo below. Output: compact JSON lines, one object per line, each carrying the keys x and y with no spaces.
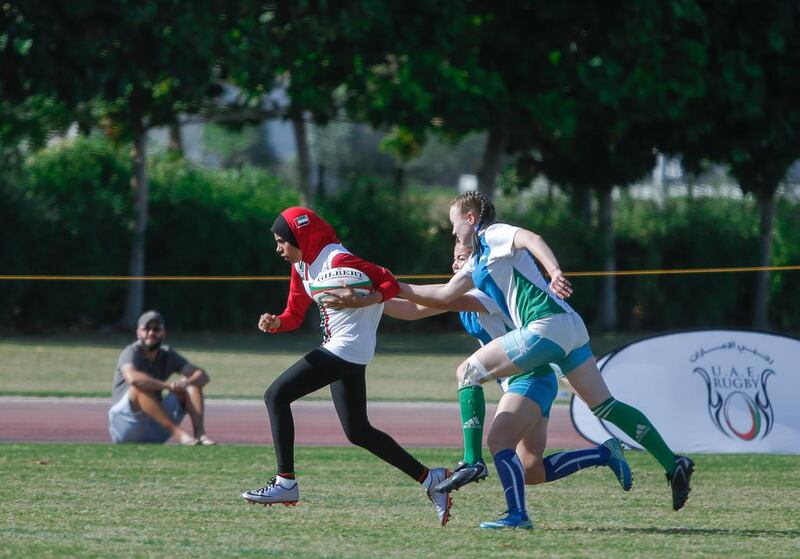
{"x":205,"y":440}
{"x":278,"y":491}
{"x":442,"y":501}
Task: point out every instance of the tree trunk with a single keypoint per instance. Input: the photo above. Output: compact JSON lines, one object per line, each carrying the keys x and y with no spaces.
{"x":399,"y":181}
{"x":303,"y":158}
{"x":766,"y":203}
{"x":175,"y":143}
{"x":583,"y":204}
{"x":492,"y":160}
{"x":135,"y":301}
{"x":321,"y":186}
{"x":607,"y":312}
{"x":84,"y":125}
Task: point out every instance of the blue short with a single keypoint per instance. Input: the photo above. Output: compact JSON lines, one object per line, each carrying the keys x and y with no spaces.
{"x":128,"y":426}
{"x":528,"y":348}
{"x":542,"y":389}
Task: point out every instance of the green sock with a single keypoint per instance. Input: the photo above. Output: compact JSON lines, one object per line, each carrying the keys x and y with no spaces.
{"x":473,"y":412}
{"x":634,"y":424}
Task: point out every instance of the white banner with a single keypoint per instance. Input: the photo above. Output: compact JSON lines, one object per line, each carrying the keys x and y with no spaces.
{"x":706,"y":391}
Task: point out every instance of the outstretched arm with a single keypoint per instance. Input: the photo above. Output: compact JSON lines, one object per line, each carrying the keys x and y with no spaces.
{"x":349,"y":299}
{"x":383,"y":281}
{"x":403,"y":309}
{"x":437,"y":295}
{"x":533,"y":243}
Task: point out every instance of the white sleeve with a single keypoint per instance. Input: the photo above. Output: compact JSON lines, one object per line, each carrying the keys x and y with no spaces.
{"x":494,"y":320}
{"x":487,"y":302}
{"x":500,"y":238}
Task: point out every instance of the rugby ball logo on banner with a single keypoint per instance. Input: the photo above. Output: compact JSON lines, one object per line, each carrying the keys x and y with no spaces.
{"x":706,"y":391}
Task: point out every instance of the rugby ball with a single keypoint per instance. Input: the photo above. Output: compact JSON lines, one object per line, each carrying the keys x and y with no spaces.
{"x":334,"y":280}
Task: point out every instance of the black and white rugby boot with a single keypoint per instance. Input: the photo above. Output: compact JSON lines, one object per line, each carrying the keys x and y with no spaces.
{"x":278,"y":490}
{"x":465,"y":473}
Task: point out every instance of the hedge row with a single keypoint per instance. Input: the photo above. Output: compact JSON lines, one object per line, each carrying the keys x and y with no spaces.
{"x":70,"y":213}
{"x":680,"y":234}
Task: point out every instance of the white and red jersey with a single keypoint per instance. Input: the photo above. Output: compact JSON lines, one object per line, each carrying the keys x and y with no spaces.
{"x":350,"y":334}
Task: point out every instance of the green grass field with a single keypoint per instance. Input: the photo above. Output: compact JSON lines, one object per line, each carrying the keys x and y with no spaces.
{"x":406,"y":367}
{"x":99,"y":500}
{"x":164,"y":501}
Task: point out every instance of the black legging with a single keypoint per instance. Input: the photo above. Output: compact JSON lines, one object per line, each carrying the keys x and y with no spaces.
{"x":349,"y":391}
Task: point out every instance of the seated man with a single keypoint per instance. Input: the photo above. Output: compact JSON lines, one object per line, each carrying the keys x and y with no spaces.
{"x":139,"y":414}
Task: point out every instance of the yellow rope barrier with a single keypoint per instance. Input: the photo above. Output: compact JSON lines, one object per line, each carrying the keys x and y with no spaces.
{"x":685,"y":271}
{"x":402,"y":277}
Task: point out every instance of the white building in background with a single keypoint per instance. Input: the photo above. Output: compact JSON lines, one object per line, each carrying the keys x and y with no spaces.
{"x":467,"y":183}
{"x":277,"y":133}
{"x":667,"y":169}
{"x":669,"y":180}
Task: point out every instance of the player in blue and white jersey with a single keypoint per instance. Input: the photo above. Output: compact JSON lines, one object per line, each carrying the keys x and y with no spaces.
{"x":483,"y":319}
{"x":547,"y":330}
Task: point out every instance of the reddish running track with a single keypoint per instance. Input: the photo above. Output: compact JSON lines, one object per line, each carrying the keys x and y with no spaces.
{"x":245,"y":422}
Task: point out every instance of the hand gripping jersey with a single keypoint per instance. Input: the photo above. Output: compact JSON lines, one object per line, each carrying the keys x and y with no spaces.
{"x":511,"y":278}
{"x":349,"y":334}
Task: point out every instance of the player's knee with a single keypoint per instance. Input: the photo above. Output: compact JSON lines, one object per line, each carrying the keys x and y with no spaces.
{"x":496,"y":442}
{"x":500,"y":439}
{"x":461,"y":372}
{"x":359,"y":435}
{"x":472,"y":373}
{"x":272,"y":396}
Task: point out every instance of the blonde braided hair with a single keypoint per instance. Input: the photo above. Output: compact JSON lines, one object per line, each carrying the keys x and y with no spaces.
{"x":482,"y":206}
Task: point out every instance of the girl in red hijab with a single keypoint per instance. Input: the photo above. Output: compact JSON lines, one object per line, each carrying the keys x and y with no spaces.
{"x":309,"y":244}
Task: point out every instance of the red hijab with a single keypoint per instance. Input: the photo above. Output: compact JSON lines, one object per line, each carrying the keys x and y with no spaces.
{"x":311,"y":232}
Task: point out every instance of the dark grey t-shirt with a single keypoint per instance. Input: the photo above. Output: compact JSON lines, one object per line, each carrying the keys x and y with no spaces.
{"x":167,"y":361}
